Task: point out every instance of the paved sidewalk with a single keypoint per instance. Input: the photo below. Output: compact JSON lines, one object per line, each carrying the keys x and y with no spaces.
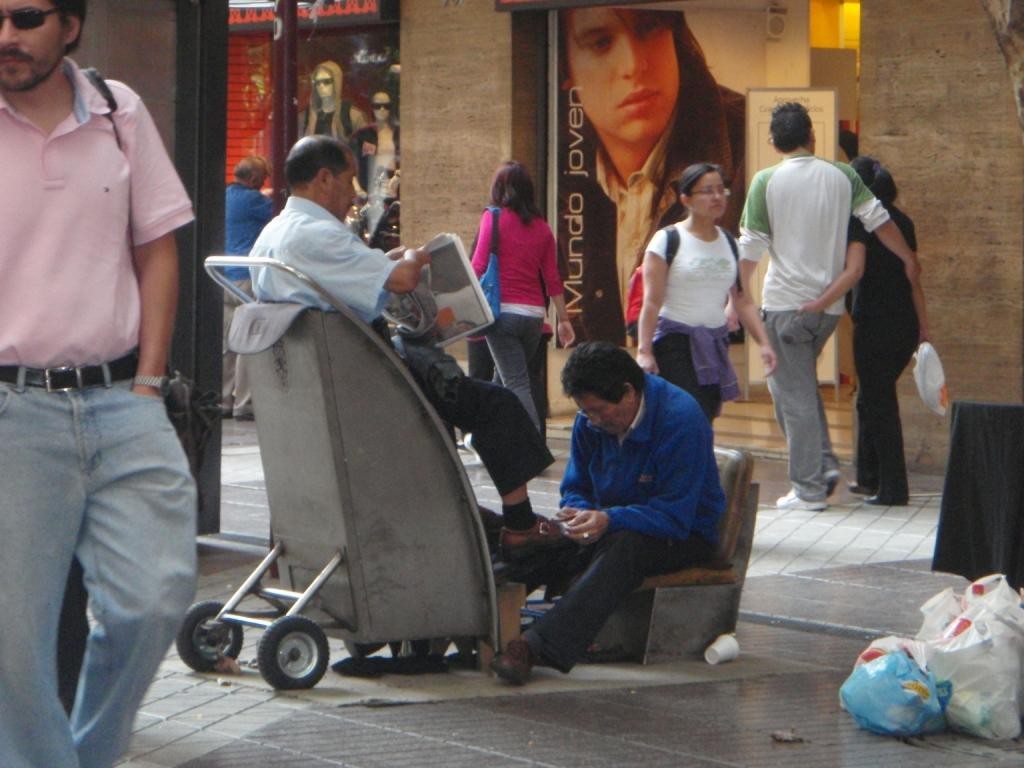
{"x":819,"y":586}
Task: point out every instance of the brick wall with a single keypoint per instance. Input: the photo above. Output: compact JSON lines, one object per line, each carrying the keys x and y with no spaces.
{"x":937,"y":108}
{"x":456,"y":113}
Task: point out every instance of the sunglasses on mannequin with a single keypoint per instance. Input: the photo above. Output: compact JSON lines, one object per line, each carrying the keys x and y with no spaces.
{"x":27,"y":18}
{"x":381,"y":105}
{"x":322,"y":81}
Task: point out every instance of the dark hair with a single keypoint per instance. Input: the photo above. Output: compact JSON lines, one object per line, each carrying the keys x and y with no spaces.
{"x":71,"y":8}
{"x":312,"y":153}
{"x":694,"y":173}
{"x":512,"y":188}
{"x":877,"y":178}
{"x":849,"y":143}
{"x":790,"y":126}
{"x":602,"y":369}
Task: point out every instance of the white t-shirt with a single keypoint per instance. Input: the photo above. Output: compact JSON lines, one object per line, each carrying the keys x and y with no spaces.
{"x":699,"y":278}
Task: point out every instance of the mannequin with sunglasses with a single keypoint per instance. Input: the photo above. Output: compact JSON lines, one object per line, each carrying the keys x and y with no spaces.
{"x":92,"y":471}
{"x":376,"y":146}
{"x":329,"y":114}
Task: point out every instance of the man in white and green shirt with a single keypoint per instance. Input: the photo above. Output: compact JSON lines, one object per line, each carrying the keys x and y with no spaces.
{"x":798,"y":211}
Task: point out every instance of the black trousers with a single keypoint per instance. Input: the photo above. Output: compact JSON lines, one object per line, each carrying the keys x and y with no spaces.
{"x":882,"y":347}
{"x":675,"y":365}
{"x":509,"y":445}
{"x":608,"y":572}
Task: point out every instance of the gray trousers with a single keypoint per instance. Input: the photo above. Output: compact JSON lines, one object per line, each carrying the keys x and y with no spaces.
{"x":235,"y":395}
{"x":798,"y":338}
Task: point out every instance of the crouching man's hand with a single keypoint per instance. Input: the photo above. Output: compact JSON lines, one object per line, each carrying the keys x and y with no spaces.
{"x":584,"y":526}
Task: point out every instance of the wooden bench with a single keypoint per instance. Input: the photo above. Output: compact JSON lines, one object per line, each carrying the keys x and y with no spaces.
{"x":679,"y":614}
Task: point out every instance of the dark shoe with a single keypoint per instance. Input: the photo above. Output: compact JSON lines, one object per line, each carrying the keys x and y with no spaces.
{"x":515,"y":664}
{"x":832,"y":478}
{"x":878,"y":501}
{"x":861,"y":490}
{"x":543,"y":533}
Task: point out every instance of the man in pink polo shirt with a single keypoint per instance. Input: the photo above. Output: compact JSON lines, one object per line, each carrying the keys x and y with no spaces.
{"x":90,"y":467}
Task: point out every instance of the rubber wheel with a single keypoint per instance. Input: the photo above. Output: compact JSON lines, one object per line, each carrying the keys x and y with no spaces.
{"x":201,"y":641}
{"x":293,"y":653}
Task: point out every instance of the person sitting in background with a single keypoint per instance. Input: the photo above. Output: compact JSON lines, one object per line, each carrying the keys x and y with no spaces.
{"x":246,"y":212}
{"x":640,"y":496}
{"x":309,"y":236}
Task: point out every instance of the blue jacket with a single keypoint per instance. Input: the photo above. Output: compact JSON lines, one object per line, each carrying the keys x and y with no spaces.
{"x":246,"y":212}
{"x":662,"y":480}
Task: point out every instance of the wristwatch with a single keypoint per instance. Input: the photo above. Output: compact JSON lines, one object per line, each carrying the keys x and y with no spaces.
{"x":159,"y":383}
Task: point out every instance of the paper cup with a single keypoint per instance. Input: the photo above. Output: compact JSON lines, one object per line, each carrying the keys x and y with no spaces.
{"x":725,"y":648}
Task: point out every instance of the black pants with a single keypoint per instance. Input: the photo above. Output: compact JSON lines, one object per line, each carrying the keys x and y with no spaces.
{"x":675,"y":365}
{"x":882,"y":347}
{"x":608,"y":572}
{"x":509,"y":445}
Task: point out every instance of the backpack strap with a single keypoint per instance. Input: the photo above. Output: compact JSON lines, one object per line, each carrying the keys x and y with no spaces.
{"x":101,"y":85}
{"x":672,"y":244}
{"x":735,"y":254}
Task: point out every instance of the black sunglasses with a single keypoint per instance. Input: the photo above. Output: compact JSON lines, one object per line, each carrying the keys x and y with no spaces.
{"x":380,"y":105}
{"x":27,"y":18}
{"x":322,"y":81}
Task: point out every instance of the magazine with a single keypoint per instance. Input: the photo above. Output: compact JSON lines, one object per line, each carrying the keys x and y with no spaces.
{"x":448,"y":304}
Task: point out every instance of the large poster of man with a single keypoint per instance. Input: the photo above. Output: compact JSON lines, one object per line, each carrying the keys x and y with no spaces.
{"x":637,"y":103}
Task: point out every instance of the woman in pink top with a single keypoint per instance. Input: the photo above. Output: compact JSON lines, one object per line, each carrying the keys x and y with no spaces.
{"x":528,"y":274}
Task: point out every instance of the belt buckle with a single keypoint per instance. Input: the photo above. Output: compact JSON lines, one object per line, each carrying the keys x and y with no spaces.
{"x":48,"y":375}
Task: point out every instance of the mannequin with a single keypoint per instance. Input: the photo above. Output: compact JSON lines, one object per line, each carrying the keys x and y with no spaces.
{"x":377,"y":147}
{"x":328,"y":113}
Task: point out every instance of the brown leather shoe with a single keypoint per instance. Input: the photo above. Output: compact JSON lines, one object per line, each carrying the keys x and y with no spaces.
{"x":515,"y":664}
{"x":543,"y":533}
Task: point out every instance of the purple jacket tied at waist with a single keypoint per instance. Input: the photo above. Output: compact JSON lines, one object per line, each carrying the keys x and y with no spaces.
{"x":710,"y":350}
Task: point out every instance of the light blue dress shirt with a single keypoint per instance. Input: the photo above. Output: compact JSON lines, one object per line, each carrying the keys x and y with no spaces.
{"x":311,"y":239}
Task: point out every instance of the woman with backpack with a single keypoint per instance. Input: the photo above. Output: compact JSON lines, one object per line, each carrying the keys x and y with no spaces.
{"x":691,"y":296}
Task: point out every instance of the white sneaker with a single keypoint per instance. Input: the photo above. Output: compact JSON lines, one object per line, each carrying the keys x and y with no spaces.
{"x":792,"y":501}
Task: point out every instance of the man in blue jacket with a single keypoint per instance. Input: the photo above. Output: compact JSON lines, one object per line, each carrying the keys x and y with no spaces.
{"x":641,"y":496}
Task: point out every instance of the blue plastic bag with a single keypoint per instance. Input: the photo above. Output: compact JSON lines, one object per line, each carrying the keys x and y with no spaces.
{"x":893,"y":696}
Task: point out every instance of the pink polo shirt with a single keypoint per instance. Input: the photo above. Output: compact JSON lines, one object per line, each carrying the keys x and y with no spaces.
{"x":68,"y":291}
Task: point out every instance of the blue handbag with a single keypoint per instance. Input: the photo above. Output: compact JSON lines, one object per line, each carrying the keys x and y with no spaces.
{"x":489,"y":280}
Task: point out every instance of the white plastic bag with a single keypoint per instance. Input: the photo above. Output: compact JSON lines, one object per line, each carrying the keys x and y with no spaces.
{"x":930,"y":378}
{"x":980,"y":658}
{"x":938,"y":612}
{"x":915,"y":649}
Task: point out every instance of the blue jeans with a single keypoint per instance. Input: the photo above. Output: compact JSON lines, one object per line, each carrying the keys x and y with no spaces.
{"x":98,"y":473}
{"x":513,"y":340}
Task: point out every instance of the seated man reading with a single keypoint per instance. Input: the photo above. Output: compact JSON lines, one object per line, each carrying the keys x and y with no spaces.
{"x":641,"y":497}
{"x":309,"y":235}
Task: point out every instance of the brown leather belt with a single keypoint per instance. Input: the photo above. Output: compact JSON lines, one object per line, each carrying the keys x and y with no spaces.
{"x":65,"y":378}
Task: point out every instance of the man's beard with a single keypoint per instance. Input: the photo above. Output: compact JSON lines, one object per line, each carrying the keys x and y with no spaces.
{"x":35,"y":74}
